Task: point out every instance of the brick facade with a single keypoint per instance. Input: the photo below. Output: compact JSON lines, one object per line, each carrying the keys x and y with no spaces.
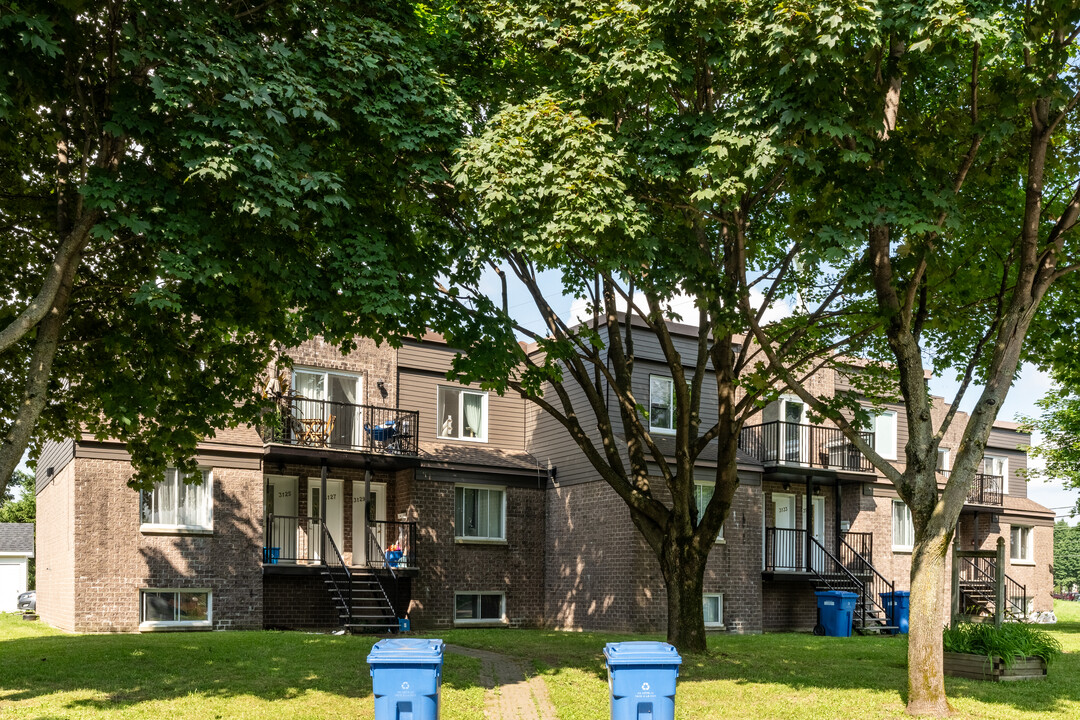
{"x":113,"y":559}
{"x":572,"y":558}
{"x":449,"y":565}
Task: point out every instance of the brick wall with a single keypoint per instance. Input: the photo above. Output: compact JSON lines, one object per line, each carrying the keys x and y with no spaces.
{"x":55,"y":551}
{"x":292,"y":601}
{"x":601,"y":575}
{"x":515,"y":567}
{"x":114,"y":559}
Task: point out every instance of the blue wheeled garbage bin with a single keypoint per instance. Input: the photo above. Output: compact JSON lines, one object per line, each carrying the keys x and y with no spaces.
{"x":406,"y":674}
{"x":896,"y":606}
{"x":836,"y":609}
{"x":641,"y":677}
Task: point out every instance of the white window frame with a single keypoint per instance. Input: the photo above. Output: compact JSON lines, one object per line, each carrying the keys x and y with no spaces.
{"x":501,"y":620}
{"x":1004,"y":469}
{"x":458,"y":536}
{"x":701,"y":508}
{"x":947,"y":454}
{"x":875,"y":416}
{"x":660,"y":429}
{"x":176,"y":528}
{"x":907,"y":513}
{"x":1027,"y":555}
{"x":459,"y":421}
{"x":720,"y":609}
{"x":147,"y":625}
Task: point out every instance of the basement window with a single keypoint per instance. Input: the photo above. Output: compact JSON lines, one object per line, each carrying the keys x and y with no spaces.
{"x":479,"y":608}
{"x":166,"y":609}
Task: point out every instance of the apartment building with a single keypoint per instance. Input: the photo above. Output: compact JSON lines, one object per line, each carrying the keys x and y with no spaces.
{"x":375,"y":489}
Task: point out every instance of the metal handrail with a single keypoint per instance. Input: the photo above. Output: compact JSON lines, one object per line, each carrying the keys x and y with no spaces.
{"x":803,"y":445}
{"x":988,"y":576}
{"x":879,"y":584}
{"x":866,"y":602}
{"x":402,"y":532}
{"x":792,"y":544}
{"x":345,"y":597}
{"x":985,"y":489}
{"x":283,"y":533}
{"x":302,"y":421}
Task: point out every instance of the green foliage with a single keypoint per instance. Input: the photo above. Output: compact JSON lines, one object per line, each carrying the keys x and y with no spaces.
{"x":1059,"y":423}
{"x":1066,"y":555}
{"x":24,"y":508}
{"x":271,"y":179}
{"x":1010,"y":641}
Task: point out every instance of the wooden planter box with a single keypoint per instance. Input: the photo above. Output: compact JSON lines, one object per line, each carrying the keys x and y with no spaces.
{"x":980,"y":667}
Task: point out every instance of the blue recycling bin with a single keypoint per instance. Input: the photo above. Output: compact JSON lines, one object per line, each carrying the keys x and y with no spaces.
{"x":406,"y":674}
{"x":641,"y":677}
{"x":836,"y":609}
{"x":897,"y":605}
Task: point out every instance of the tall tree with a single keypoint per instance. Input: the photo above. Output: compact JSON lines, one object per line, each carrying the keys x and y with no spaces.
{"x":636,"y":147}
{"x":1059,"y":424}
{"x":188,"y":184}
{"x":1066,"y":556}
{"x":953,"y":191}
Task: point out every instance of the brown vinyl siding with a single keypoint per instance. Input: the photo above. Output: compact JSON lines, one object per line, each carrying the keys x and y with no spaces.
{"x":419,"y":391}
{"x":54,"y":456}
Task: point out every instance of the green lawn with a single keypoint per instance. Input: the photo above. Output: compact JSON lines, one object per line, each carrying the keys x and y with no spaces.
{"x":45,"y":674}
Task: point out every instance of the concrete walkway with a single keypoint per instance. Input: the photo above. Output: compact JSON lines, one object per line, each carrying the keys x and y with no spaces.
{"x":513,"y":692}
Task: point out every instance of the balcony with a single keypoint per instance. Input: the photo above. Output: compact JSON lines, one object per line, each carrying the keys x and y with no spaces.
{"x":985,"y":489}
{"x":302,"y":540}
{"x":308,"y":423}
{"x":808,"y":446}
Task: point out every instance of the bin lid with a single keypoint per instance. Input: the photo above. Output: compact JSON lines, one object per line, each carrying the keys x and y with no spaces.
{"x":641,"y":652}
{"x":836,"y":594}
{"x":406,"y":650}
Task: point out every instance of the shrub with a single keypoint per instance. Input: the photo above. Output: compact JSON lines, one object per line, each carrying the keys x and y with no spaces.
{"x":1009,"y":642}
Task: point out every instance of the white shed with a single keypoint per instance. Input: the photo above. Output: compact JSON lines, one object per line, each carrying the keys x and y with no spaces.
{"x":16,"y":549}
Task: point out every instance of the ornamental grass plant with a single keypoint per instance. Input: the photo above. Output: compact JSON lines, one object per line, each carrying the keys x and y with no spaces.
{"x":1010,"y":641}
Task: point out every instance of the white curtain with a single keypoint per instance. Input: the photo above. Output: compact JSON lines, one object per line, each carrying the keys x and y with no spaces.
{"x":474,"y":414}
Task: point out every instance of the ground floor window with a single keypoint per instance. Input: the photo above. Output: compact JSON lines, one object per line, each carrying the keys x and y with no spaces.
{"x":1020,"y":544}
{"x":903,"y":531}
{"x":174,"y":608}
{"x":714,"y":609}
{"x":479,"y":607}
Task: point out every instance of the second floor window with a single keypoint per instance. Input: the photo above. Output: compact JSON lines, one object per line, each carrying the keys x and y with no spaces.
{"x":480,"y":513}
{"x":885,"y":433}
{"x":997,"y":465}
{"x":661,"y":403}
{"x":462,"y":414}
{"x":903,"y":531}
{"x":178,"y":505}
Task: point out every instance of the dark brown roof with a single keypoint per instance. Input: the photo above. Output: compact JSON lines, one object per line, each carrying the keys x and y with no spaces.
{"x":432,"y":453}
{"x":1026,"y":505}
{"x":17,"y":538}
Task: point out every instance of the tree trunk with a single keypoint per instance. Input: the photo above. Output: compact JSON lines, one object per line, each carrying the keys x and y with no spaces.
{"x":926,"y":677}
{"x":683,"y":566}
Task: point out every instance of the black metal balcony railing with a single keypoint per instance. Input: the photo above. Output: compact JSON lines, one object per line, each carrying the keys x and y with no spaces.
{"x":297,"y":539}
{"x":297,"y":420}
{"x":985,"y":489}
{"x":391,"y":544}
{"x":802,"y":445}
{"x":785,"y":549}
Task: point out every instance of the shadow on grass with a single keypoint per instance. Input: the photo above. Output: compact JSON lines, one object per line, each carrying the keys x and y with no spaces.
{"x":801,"y":663}
{"x":126,"y":670}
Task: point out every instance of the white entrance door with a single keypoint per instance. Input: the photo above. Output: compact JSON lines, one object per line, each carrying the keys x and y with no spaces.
{"x":376,"y":509}
{"x":283,"y":527}
{"x":786,"y":539}
{"x":335,"y":520}
{"x":818,"y":556}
